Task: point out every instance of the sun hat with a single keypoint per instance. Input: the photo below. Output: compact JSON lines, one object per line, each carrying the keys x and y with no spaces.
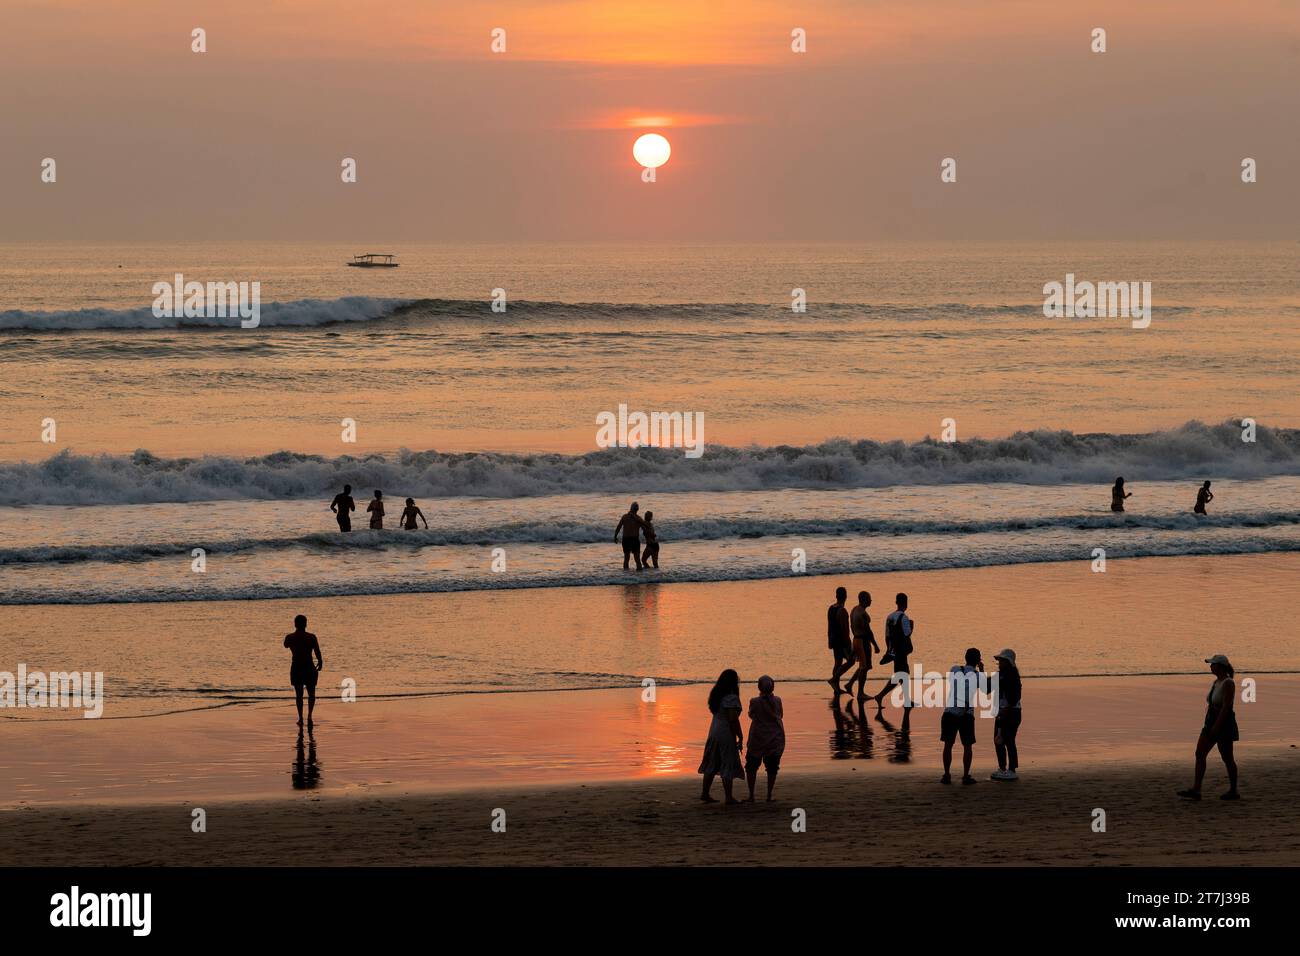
{"x":1006,"y":654}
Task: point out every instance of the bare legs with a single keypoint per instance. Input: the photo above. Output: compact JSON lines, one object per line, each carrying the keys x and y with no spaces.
{"x":311,"y":702}
{"x":726,"y":789}
{"x":1203,"y":747}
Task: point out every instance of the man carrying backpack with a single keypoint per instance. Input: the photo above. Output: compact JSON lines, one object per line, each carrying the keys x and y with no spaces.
{"x":898,"y":648}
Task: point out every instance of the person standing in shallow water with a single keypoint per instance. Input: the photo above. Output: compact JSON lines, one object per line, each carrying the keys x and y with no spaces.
{"x":410,"y":513}
{"x":651,"y":541}
{"x":630,"y":526}
{"x":1220,"y":729}
{"x":722,"y":747}
{"x":1118,"y":494}
{"x":303,"y":672}
{"x":343,"y":506}
{"x":376,"y":509}
{"x":1203,"y":498}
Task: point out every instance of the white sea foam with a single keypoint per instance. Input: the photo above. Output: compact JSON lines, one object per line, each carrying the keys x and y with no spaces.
{"x":1038,"y":457}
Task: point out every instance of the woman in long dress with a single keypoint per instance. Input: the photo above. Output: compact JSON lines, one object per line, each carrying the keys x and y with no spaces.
{"x":722,"y":748}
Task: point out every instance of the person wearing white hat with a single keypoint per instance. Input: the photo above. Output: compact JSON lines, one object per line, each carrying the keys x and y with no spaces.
{"x":1220,"y":728}
{"x":1007,"y":722}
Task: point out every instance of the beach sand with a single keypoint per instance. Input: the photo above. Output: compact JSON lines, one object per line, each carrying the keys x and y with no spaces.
{"x":605,"y":777}
{"x":1044,"y":818}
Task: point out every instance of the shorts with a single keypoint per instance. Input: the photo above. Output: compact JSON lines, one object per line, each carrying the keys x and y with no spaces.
{"x":862,"y":653}
{"x":631,"y":546}
{"x":345,"y":523}
{"x":843,"y":652}
{"x":950,"y":725}
{"x":901,"y":665}
{"x":303,"y":675}
{"x":772,"y":762}
{"x":1227,"y":730}
{"x":377,"y":523}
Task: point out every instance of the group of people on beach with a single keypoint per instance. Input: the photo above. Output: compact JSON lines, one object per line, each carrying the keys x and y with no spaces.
{"x":1118,"y":495}
{"x":851,"y":641}
{"x":343,"y":505}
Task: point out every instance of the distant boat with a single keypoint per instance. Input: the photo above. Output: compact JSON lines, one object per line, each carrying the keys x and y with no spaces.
{"x":375,"y":260}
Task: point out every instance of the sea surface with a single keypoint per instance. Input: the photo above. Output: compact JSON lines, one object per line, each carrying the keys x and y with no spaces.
{"x":193,"y":460}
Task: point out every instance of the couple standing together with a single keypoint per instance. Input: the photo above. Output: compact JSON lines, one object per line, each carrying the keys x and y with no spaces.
{"x":631,"y":525}
{"x":850,"y":639}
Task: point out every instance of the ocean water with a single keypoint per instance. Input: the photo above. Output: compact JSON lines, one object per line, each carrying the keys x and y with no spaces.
{"x":820,"y":428}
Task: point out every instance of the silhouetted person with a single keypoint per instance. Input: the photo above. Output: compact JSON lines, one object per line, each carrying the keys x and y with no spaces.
{"x":959,"y":716}
{"x":1118,"y":494}
{"x":302,"y":672}
{"x":898,"y":647}
{"x":343,"y":506}
{"x":722,"y":748}
{"x":837,"y":638}
{"x":651,"y":541}
{"x":1007,"y":723}
{"x":376,"y":509}
{"x":1203,"y":497}
{"x":766,"y":736}
{"x":410,"y":513}
{"x":1220,"y":728}
{"x":864,"y":641}
{"x":630,"y":526}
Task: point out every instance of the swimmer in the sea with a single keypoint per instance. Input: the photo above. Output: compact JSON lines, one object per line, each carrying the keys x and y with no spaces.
{"x":410,"y":513}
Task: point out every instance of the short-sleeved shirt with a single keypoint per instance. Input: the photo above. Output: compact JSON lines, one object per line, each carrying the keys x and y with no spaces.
{"x":962,"y":689}
{"x":766,"y":728}
{"x":835,"y":635}
{"x":302,"y":643}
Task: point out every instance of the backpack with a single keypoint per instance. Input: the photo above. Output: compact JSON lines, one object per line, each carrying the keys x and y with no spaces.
{"x":899,"y":643}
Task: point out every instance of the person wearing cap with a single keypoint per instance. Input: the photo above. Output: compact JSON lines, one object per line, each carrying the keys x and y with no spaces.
{"x":1220,"y":728}
{"x":766,"y":736}
{"x":1007,"y":722}
{"x":959,"y":716}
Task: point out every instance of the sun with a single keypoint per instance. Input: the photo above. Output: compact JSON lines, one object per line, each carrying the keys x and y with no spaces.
{"x":651,"y":150}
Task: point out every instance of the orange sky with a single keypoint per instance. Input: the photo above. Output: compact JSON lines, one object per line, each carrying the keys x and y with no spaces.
{"x":456,"y":143}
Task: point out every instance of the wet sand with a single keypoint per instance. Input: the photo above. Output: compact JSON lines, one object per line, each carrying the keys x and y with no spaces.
{"x":852,"y":819}
{"x":605,"y":777}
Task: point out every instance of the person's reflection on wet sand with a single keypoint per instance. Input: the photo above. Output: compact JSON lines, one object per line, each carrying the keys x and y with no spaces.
{"x":865,"y":739}
{"x":901,"y":749}
{"x":306,"y":771}
{"x":841,"y":738}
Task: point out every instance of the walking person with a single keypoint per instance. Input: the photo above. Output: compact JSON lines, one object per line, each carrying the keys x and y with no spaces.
{"x":959,"y":716}
{"x":722,"y":747}
{"x":837,"y":638}
{"x":864,"y":642}
{"x":1203,"y":497}
{"x":1220,"y":729}
{"x":303,"y":672}
{"x":630,"y":526}
{"x":766,"y":736}
{"x":1118,"y":495}
{"x":376,"y":509}
{"x":343,"y":506}
{"x":1007,"y":722}
{"x":898,"y":648}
